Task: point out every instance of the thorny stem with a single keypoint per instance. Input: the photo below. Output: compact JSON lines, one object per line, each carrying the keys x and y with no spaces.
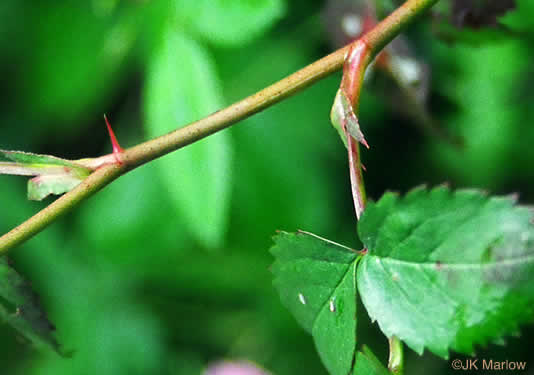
{"x":133,"y":157}
{"x":353,"y":75}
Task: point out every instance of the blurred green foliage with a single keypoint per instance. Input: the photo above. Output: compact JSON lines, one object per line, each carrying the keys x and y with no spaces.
{"x":152,"y":277}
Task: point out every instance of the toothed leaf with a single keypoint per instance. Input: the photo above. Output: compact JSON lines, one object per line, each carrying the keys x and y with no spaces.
{"x":316,"y":282}
{"x":20,"y":169}
{"x":28,"y":164}
{"x":447,"y":270}
{"x":20,"y":308}
{"x":38,"y":159}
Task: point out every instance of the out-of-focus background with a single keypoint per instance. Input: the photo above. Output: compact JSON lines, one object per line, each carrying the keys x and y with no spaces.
{"x":167,"y":270}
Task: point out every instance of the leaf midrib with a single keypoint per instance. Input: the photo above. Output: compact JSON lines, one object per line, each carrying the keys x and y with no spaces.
{"x":444,"y":266}
{"x":354,"y":264}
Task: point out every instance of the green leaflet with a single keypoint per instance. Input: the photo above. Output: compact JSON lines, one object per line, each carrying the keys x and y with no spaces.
{"x":242,"y":20}
{"x":54,"y":175}
{"x":29,"y":158}
{"x":316,"y":282}
{"x":447,"y":270}
{"x":20,"y":308}
{"x":366,"y":363}
{"x":484,"y":110}
{"x":182,"y":86}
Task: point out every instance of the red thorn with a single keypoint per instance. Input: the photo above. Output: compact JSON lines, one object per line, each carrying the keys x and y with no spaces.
{"x":116,"y":146}
{"x":363,"y":167}
{"x":117,"y":149}
{"x":364,"y":142}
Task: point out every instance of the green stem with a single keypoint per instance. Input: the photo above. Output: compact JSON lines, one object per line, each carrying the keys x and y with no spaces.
{"x":396,"y":356}
{"x":133,"y":157}
{"x":94,"y":182}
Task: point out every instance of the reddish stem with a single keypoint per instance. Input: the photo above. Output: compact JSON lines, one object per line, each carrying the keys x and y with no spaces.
{"x":356,"y":62}
{"x":356,"y":176}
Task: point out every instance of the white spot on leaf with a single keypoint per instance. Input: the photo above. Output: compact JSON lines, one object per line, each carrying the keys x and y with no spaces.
{"x":333,"y":305}
{"x":302,"y":299}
